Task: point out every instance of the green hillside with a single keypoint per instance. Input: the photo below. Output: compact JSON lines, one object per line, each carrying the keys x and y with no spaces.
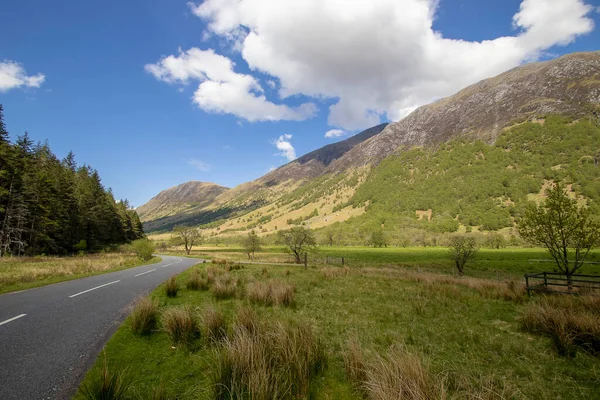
{"x":469,"y":182}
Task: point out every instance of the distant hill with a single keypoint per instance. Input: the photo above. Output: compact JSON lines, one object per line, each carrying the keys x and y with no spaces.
{"x":180,"y":198}
{"x":378,"y":173}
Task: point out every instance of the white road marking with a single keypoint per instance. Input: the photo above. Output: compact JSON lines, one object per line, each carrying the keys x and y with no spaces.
{"x":12,"y":319}
{"x":94,"y":288}
{"x":147,"y":272}
{"x":165,"y":266}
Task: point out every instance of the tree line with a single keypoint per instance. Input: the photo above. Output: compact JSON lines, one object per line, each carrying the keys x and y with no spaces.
{"x":53,"y":206}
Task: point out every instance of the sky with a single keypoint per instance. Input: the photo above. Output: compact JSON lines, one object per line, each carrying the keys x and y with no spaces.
{"x":154,"y":93}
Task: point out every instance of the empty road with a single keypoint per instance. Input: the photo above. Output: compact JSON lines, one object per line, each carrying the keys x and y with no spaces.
{"x":50,"y":336}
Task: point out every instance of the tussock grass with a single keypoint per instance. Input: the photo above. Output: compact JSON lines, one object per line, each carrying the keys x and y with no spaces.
{"x":215,"y":327}
{"x":196,"y":281}
{"x":181,"y":324}
{"x":213,"y":272}
{"x":571,"y":322}
{"x":399,"y":374}
{"x":355,"y":364}
{"x":144,"y":316}
{"x":247,"y":319}
{"x":223,"y":287}
{"x":106,"y":384}
{"x":270,"y":293}
{"x":276,"y":361}
{"x":171,"y":287}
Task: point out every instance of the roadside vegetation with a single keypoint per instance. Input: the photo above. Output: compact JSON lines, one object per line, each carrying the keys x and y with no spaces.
{"x":361,"y":332}
{"x":19,"y":273}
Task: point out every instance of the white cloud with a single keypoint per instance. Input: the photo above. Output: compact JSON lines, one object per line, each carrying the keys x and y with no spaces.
{"x":271,"y":168}
{"x":199,"y":164}
{"x":380,"y":57}
{"x":12,"y":75}
{"x":335,"y":133}
{"x":222,"y":90}
{"x":285,"y":146}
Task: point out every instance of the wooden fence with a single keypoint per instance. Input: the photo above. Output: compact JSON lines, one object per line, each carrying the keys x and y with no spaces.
{"x":554,"y":282}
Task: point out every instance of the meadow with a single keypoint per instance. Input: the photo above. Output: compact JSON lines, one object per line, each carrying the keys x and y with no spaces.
{"x":372,"y":332}
{"x":20,"y":273}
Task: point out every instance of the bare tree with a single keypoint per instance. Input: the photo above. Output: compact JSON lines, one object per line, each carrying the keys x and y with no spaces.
{"x":188,"y":237}
{"x":462,"y":249}
{"x":298,"y":241}
{"x":566,"y":230}
{"x":252,"y":244}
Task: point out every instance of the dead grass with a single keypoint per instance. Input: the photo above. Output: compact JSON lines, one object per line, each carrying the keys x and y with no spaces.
{"x":196,"y":281}
{"x":171,"y":287}
{"x":223,"y":286}
{"x":31,"y":270}
{"x":144,"y":316}
{"x":335,"y":272}
{"x":354,"y":364}
{"x":215,"y":327}
{"x":571,"y":322}
{"x":213,"y":272}
{"x":274,"y":361}
{"x":272,"y":292}
{"x":181,"y":324}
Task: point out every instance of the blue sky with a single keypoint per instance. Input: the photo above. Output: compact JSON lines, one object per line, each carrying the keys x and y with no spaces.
{"x":153,"y":93}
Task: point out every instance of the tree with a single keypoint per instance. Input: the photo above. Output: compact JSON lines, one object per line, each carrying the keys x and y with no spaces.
{"x":462,"y":249}
{"x":143,"y":248}
{"x":298,"y":241}
{"x":567,"y":231}
{"x":378,"y":238}
{"x":188,"y":237}
{"x":252,"y":244}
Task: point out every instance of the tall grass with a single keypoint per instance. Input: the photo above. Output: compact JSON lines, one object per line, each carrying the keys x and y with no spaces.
{"x":181,"y":324}
{"x":171,"y":287}
{"x":197,"y":281}
{"x":144,"y":316}
{"x":223,"y":287}
{"x":270,"y":293}
{"x":274,"y":361}
{"x":106,"y":385}
{"x":571,"y":322}
{"x":214,"y":324}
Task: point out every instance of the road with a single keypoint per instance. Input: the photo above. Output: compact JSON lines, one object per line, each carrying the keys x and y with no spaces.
{"x":50,"y":336}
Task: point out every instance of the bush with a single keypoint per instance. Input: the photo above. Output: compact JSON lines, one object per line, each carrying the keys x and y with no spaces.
{"x":214,"y":325}
{"x":107,"y":385}
{"x":276,"y":361}
{"x":144,"y":316}
{"x":180,"y":324}
{"x":143,"y":248}
{"x":171,"y":287}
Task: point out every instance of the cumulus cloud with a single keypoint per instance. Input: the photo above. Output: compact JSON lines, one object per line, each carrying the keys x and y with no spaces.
{"x":222,"y":90}
{"x":199,"y":164}
{"x":335,"y":133}
{"x":379,"y":58}
{"x":12,"y":75}
{"x":284,"y":145}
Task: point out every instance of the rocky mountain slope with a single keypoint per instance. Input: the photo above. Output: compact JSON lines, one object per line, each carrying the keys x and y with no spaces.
{"x":324,"y":181}
{"x":179,"y":198}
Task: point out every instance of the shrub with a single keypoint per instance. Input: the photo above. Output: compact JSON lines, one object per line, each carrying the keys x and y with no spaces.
{"x":215,"y":326}
{"x":107,"y":385}
{"x":223,"y":287}
{"x":277,"y":361}
{"x":271,"y":293}
{"x":143,"y":248}
{"x":171,"y":287}
{"x":180,"y":324}
{"x":144,"y":316}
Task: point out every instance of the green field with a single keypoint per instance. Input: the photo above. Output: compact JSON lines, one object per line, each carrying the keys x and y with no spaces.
{"x":489,"y":263}
{"x":464,"y":329}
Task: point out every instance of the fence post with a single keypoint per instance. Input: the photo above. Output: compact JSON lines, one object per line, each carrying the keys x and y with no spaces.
{"x":527,"y":285}
{"x":342,"y":260}
{"x":305,"y":260}
{"x":545,"y":281}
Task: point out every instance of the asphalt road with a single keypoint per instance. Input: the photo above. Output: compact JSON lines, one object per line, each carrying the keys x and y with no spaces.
{"x":50,"y":336}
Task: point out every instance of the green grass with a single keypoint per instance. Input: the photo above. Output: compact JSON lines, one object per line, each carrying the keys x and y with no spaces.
{"x":512,"y":262}
{"x":469,"y":340}
{"x":20,"y":273}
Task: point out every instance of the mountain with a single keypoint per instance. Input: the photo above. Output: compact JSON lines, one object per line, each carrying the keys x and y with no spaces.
{"x":193,"y":194}
{"x":352,"y":181}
